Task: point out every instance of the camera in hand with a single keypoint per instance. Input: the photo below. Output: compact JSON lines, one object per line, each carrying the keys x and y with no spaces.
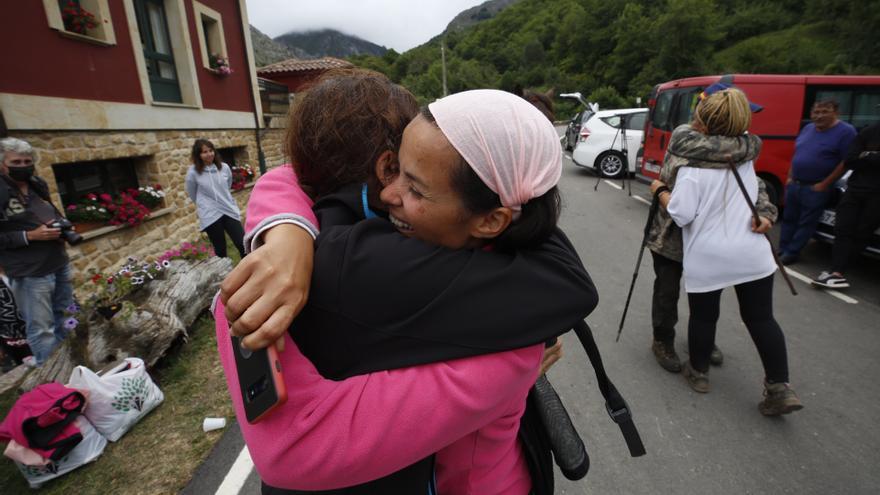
{"x":67,"y":232}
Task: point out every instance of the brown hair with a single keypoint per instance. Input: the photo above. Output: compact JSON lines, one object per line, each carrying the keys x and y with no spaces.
{"x":724,"y":113}
{"x":197,"y":155}
{"x":339,"y":127}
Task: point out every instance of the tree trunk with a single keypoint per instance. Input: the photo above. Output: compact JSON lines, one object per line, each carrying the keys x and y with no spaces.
{"x":163,"y":309}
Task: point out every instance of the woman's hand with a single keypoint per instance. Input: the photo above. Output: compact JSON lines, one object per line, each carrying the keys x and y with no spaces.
{"x":551,"y":355}
{"x":269,"y":287}
{"x":765,"y":226}
{"x":656,"y":184}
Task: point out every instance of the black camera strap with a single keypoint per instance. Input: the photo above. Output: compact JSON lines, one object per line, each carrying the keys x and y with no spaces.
{"x":615,"y":404}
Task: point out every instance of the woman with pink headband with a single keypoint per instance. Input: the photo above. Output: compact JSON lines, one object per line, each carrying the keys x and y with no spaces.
{"x":476,"y":169}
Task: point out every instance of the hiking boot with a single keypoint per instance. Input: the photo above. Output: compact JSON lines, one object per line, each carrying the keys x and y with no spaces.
{"x":666,"y":356}
{"x":697,"y":380}
{"x":829,"y":280}
{"x":716,"y":358}
{"x":779,"y":398}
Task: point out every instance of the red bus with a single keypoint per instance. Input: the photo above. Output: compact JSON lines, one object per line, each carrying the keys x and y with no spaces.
{"x":786,"y":99}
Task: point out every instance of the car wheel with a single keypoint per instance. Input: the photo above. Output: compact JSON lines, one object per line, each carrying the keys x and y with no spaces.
{"x":611,"y":164}
{"x":568,"y":146}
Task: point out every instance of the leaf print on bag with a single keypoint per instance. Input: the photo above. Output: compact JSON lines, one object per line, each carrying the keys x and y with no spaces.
{"x":133,"y":395}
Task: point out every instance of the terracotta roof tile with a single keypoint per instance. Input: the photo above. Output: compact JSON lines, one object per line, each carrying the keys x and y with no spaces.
{"x":299,"y":65}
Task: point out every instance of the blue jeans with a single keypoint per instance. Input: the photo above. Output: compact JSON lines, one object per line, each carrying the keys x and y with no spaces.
{"x":803,"y":208}
{"x":41,"y":302}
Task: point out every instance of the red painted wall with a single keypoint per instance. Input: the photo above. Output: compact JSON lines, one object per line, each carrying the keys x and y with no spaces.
{"x":233,"y":91}
{"x":36,"y":60}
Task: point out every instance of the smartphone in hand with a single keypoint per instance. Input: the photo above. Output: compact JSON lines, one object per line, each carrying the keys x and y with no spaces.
{"x":260,"y":380}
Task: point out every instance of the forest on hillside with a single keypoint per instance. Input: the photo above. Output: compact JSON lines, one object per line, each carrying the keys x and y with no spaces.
{"x":615,"y":50}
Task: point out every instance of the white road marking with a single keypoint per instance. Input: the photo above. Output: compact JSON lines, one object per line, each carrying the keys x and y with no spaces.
{"x":615,"y":186}
{"x":568,"y":156}
{"x":803,"y":278}
{"x":237,"y":474}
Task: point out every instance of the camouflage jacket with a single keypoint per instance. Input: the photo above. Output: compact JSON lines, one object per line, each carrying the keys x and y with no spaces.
{"x":689,"y":148}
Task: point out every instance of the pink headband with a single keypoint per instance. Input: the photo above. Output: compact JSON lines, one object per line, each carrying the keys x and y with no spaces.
{"x":508,"y":143}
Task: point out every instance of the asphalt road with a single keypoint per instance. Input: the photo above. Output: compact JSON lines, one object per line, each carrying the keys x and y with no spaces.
{"x":715,"y":443}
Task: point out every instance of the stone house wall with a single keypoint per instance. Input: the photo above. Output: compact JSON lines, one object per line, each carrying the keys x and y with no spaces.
{"x":161,"y":157}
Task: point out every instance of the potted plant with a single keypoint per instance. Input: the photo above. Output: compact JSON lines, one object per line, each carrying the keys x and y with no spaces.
{"x":88,"y":214}
{"x":77,"y":19}
{"x":110,"y":292}
{"x":126,"y":209}
{"x":219,"y":64}
{"x":241,"y":176}
{"x":149,"y":196}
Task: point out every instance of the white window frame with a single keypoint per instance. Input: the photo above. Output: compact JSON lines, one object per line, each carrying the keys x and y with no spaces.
{"x":102,"y":34}
{"x":178,"y":32}
{"x":216,"y":38}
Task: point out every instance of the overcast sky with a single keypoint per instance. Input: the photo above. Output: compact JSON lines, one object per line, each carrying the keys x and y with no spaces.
{"x":398,"y":24}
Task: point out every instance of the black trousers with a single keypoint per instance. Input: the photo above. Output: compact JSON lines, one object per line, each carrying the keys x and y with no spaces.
{"x":756,"y":309}
{"x":228,"y":225}
{"x":664,"y":302}
{"x":858,"y":216}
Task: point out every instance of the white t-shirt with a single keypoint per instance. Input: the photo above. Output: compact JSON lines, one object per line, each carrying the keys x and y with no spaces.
{"x":720,"y":248}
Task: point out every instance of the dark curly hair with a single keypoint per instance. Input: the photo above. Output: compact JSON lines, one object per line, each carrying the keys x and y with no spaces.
{"x":341,"y":125}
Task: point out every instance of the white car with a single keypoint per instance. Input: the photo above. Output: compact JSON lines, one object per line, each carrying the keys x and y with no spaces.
{"x":600,"y":144}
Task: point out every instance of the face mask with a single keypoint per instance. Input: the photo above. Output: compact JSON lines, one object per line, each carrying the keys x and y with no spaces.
{"x":21,"y":174}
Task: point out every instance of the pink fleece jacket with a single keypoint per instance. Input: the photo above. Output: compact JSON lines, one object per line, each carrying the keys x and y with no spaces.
{"x":332,"y":434}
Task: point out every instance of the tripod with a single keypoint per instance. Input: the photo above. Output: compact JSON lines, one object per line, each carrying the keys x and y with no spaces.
{"x":626,"y":182}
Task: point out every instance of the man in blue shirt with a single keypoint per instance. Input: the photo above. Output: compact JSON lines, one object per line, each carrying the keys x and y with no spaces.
{"x":819,"y":152}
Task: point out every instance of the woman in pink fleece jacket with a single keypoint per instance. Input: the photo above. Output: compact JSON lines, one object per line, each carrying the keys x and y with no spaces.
{"x":339,"y":433}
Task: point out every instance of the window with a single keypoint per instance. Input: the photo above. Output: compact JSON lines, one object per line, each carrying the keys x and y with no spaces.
{"x":75,"y":180}
{"x":858,"y":104}
{"x":274,"y":97}
{"x":613,"y":120}
{"x":158,"y":54}
{"x":209,"y":24}
{"x":686,"y":103}
{"x":636,"y":121}
{"x":87,"y":20}
{"x":660,"y":115}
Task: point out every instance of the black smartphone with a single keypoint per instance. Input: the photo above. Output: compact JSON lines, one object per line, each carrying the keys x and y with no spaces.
{"x":260,"y":380}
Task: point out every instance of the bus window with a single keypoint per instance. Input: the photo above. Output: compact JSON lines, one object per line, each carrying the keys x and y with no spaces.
{"x":865,"y":106}
{"x":660,"y":115}
{"x":684,"y":109}
{"x":858,"y":104}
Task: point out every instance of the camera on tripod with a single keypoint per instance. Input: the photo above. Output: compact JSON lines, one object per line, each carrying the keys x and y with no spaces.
{"x":67,"y":232}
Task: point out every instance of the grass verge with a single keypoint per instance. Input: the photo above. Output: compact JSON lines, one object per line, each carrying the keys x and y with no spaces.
{"x":159,"y":454}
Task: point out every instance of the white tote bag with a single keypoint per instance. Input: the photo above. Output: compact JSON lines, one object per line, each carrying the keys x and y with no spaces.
{"x":91,"y":446}
{"x":118,"y":398}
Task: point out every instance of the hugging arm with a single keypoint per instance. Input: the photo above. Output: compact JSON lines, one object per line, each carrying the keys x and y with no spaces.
{"x":331,"y":434}
{"x":269,"y":287}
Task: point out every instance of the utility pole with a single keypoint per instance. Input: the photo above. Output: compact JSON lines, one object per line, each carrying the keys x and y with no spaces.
{"x":443,"y":63}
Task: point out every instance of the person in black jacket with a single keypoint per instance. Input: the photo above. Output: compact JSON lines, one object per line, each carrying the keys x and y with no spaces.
{"x":350,"y":328}
{"x":32,"y":251}
{"x":858,"y":212}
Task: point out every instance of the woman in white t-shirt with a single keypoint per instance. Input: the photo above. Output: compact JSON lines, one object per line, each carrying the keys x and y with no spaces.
{"x":723,"y":249}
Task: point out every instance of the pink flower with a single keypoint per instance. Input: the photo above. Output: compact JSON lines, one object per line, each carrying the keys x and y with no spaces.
{"x":71,"y":207}
{"x":106,"y":197}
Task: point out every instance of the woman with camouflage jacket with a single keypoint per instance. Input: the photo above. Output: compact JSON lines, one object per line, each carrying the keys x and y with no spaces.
{"x":721,"y":247}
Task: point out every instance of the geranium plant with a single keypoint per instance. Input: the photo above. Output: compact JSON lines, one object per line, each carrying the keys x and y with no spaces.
{"x":77,"y":19}
{"x":126,"y":210}
{"x":241,"y":175}
{"x":219,"y":63}
{"x":149,"y":196}
{"x":88,"y":209}
{"x":187,"y":251}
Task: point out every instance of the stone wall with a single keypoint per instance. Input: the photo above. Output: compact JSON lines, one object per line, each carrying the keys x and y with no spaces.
{"x":162,"y":157}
